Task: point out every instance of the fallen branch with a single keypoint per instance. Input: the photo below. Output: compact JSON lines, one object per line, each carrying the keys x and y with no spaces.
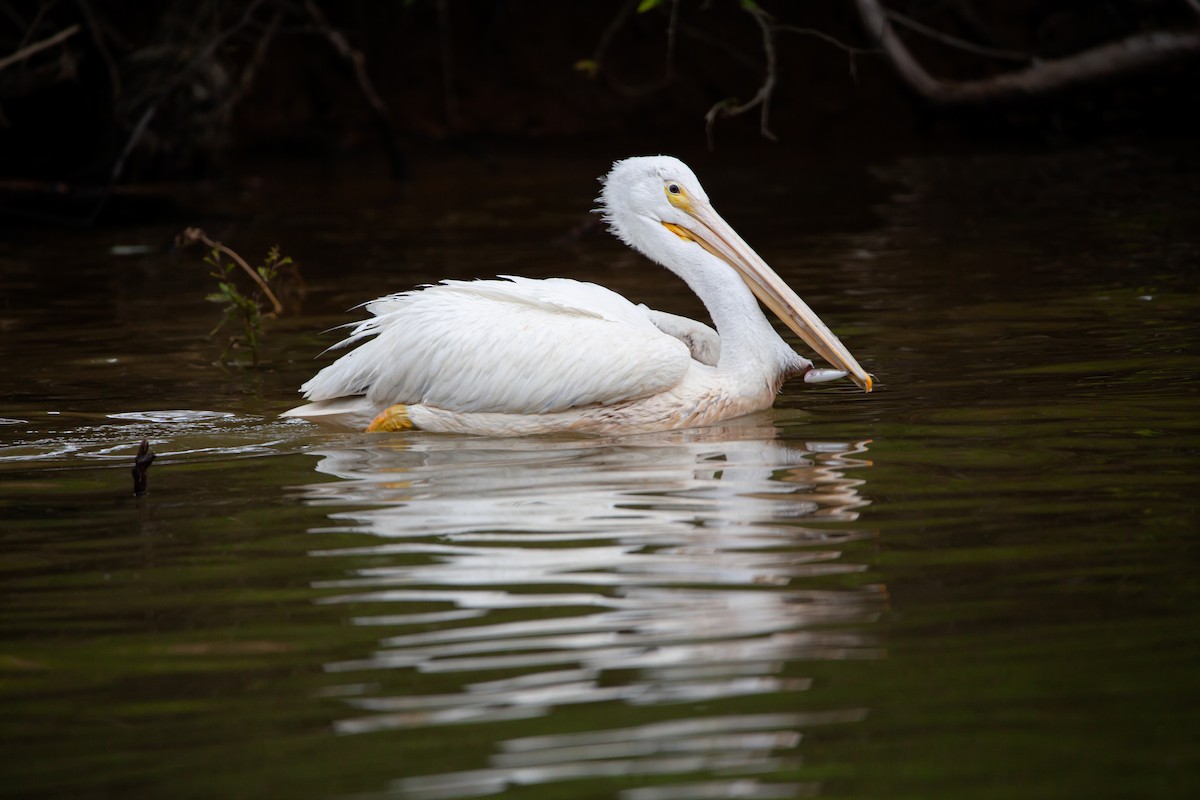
{"x":37,"y":47}
{"x":1137,"y":53}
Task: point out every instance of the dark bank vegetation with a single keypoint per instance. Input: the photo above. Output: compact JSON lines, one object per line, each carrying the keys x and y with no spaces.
{"x":99,"y":97}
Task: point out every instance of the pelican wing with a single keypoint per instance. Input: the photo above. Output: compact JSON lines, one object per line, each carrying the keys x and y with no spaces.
{"x":515,"y":346}
{"x":701,"y":340}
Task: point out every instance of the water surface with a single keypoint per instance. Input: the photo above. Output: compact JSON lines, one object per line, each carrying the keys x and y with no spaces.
{"x":978,"y":581}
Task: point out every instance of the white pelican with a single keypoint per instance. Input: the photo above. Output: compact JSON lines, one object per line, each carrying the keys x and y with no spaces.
{"x":519,"y":356}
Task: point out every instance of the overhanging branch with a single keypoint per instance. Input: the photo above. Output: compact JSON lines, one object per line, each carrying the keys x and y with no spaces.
{"x":1138,"y":53}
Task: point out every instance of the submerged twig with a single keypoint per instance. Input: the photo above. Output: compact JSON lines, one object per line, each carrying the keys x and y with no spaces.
{"x":141,"y":465}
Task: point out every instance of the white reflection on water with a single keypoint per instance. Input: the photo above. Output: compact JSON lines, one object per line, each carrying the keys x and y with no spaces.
{"x":115,"y":437}
{"x":655,"y":572}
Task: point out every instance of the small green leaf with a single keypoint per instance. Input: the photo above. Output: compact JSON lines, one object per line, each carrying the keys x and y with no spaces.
{"x":647,"y":5}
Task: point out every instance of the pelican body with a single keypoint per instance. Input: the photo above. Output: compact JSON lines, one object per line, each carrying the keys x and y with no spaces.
{"x":517,"y":356}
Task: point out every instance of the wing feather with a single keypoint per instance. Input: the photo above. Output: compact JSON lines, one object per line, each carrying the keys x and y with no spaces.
{"x":516,"y":346}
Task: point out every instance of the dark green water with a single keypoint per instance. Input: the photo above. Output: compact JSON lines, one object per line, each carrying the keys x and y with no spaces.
{"x":978,"y":582}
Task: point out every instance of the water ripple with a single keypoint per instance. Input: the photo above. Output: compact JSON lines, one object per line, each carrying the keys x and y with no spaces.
{"x":186,"y":434}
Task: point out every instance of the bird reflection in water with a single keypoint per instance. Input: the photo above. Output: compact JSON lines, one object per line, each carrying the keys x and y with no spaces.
{"x":666,"y":570}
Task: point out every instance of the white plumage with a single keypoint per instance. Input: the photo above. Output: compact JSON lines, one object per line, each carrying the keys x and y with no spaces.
{"x":516,"y":355}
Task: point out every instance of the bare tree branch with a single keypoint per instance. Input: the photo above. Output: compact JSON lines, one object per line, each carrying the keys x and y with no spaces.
{"x":200,"y":58}
{"x":359,"y":62}
{"x":42,"y":10}
{"x":734,"y":53}
{"x":114,"y":77}
{"x":631,"y":90}
{"x":38,"y":46}
{"x":852,"y":53}
{"x":672,"y":35}
{"x":256,"y":60}
{"x":16,"y":19}
{"x":610,"y":32}
{"x":446,"y":52}
{"x":1137,"y":53}
{"x":762,"y":98}
{"x":954,"y":41}
{"x":825,"y":37}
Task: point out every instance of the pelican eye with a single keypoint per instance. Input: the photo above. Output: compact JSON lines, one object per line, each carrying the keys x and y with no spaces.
{"x":677,"y":195}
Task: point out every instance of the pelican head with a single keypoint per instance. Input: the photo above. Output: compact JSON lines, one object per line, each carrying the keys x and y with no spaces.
{"x":656,"y":205}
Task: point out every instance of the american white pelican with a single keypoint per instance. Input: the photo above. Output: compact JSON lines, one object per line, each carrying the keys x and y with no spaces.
{"x":520,"y":356}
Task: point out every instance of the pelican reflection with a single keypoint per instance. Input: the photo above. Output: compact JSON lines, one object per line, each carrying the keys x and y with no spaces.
{"x":655,"y":572}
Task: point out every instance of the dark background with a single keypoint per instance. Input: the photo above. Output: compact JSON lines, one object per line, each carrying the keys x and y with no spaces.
{"x":172,"y":91}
